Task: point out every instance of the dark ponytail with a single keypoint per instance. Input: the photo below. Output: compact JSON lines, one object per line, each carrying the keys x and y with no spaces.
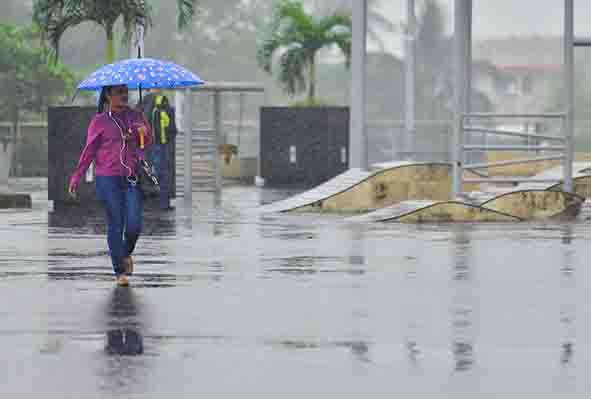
{"x":103,"y":99}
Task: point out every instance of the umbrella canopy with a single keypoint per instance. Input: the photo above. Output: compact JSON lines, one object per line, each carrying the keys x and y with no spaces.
{"x":141,"y":73}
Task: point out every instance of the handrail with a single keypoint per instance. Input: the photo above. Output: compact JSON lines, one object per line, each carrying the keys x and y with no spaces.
{"x":530,"y":116}
{"x":466,"y":127}
{"x":513,"y":133}
{"x":513,"y":147}
{"x":512,"y":162}
{"x":511,"y":180}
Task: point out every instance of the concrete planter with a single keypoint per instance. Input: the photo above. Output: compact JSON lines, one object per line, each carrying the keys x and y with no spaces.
{"x":6,"y":150}
{"x":9,"y":199}
{"x":303,"y":147}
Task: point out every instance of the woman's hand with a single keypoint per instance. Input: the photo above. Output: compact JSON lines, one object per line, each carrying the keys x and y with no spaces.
{"x":141,"y":131}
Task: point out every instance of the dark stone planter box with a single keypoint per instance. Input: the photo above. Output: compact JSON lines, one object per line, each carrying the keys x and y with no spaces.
{"x":67,"y":128}
{"x":319,"y":137}
{"x":9,"y":200}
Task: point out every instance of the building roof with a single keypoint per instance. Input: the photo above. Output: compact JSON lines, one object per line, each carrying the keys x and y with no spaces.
{"x":536,"y":53}
{"x":547,"y":68}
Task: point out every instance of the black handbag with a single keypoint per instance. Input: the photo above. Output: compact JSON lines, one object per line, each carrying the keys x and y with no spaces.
{"x":147,"y":180}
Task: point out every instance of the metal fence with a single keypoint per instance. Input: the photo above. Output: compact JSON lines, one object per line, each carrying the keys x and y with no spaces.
{"x":239,"y":113}
{"x":549,"y":145}
{"x":433,"y":138}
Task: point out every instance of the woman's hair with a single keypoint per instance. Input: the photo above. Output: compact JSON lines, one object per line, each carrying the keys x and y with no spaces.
{"x":103,"y":99}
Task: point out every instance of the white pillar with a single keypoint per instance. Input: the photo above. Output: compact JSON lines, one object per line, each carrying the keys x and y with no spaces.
{"x":218,"y":139}
{"x":569,"y":72}
{"x":357,"y":124}
{"x":460,"y":37}
{"x":188,"y":163}
{"x":469,"y":138}
{"x":409,"y":142}
{"x":179,"y":101}
{"x":468,"y":53}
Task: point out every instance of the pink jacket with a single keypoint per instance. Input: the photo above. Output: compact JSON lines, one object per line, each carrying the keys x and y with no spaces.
{"x":104,"y":143}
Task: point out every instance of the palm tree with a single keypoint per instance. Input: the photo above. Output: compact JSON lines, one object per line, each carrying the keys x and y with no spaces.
{"x":54,"y":17}
{"x":299,"y":36}
{"x":377,"y":23}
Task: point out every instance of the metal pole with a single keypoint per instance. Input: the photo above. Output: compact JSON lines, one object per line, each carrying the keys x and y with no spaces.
{"x":357,"y":123}
{"x":188,"y":164}
{"x":217,"y":131}
{"x":457,"y":141}
{"x":240,"y":121}
{"x":569,"y":72}
{"x":138,"y":51}
{"x":468,"y":138}
{"x":468,"y":55}
{"x":258,"y":180}
{"x":409,"y":80}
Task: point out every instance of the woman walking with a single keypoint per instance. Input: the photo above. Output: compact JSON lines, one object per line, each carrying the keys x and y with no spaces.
{"x":116,"y":139}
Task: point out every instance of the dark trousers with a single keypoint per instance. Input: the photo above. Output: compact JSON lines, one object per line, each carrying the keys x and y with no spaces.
{"x":124,"y":208}
{"x":160,"y":162}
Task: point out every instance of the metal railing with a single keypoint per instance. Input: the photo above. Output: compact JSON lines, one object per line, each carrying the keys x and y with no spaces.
{"x":559,"y":145}
{"x":215,"y":89}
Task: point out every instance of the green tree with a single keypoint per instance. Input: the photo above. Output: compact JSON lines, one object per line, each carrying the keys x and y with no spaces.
{"x":298,"y":37}
{"x":54,"y":17}
{"x":377,"y":23}
{"x":28,"y":84}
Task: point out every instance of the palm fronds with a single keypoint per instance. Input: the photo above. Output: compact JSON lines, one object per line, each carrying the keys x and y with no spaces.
{"x":297,"y":37}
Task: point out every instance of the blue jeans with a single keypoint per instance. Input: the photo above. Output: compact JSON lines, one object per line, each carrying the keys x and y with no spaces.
{"x":160,"y":162}
{"x":124,"y":208}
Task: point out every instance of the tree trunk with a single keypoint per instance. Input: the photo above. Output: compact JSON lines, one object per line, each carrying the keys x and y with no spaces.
{"x":312,"y":81}
{"x":56,"y":55}
{"x":52,"y":58}
{"x":110,"y":45}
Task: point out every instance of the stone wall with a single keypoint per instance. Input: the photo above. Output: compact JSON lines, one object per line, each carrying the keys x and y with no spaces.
{"x":303,"y":147}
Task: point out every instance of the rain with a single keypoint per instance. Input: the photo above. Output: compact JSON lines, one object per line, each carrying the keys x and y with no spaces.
{"x":412,"y":221}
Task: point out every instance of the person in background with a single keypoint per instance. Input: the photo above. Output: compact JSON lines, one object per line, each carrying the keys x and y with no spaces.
{"x":115,"y":139}
{"x":162,"y":121}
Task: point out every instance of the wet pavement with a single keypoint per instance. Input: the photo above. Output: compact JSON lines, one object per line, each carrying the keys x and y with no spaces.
{"x":228,"y":303}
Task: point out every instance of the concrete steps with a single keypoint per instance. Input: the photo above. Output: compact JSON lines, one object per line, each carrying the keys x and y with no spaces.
{"x":203,"y":154}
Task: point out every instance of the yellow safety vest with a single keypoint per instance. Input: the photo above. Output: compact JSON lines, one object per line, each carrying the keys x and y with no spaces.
{"x":164,"y":121}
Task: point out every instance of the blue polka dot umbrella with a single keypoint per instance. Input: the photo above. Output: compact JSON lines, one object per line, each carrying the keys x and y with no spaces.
{"x":141,"y":73}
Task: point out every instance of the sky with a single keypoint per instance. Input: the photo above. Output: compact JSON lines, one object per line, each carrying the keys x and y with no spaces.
{"x":504,"y":17}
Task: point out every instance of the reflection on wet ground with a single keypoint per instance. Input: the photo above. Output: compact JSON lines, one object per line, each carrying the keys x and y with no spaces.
{"x":229,"y":303}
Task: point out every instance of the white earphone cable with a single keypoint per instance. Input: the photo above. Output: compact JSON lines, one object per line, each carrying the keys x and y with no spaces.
{"x":123,"y":145}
